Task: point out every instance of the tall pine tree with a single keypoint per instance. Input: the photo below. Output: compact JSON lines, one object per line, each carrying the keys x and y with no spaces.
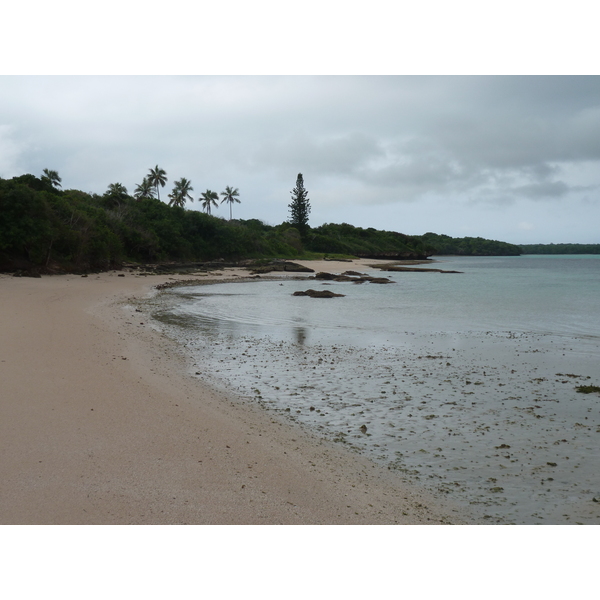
{"x":300,"y":206}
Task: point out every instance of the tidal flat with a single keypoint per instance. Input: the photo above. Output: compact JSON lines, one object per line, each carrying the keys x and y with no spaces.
{"x":490,"y":418}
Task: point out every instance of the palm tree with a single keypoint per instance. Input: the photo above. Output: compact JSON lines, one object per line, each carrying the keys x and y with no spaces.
{"x":230,"y":196}
{"x":157,"y":177}
{"x":144,"y":189}
{"x":209,"y":198}
{"x":181,"y":192}
{"x":116,"y":189}
{"x":115,"y":194}
{"x":52,"y":178}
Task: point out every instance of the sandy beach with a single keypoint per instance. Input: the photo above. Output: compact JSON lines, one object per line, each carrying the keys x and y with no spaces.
{"x":102,"y":424}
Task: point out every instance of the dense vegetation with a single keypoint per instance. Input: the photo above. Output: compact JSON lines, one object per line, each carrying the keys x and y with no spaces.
{"x":356,"y":241}
{"x":468,"y":246}
{"x":560,"y":248}
{"x":53,"y":230}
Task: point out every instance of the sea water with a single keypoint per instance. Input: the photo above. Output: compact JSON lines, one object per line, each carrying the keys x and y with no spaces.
{"x":463,"y":382}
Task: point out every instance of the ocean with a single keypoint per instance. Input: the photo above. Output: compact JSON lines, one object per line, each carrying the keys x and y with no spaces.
{"x":464,"y":383}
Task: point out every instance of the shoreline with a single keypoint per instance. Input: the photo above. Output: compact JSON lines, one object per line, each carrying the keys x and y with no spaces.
{"x":478,"y":402}
{"x":102,"y":424}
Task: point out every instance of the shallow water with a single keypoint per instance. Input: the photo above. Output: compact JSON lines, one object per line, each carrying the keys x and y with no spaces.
{"x":464,"y":382}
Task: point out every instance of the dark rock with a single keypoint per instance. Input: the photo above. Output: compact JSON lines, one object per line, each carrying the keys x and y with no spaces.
{"x":397,"y":268}
{"x":296,"y":268}
{"x":318,"y":294}
{"x":281,"y":266}
{"x":322,"y":276}
{"x":395,"y":256}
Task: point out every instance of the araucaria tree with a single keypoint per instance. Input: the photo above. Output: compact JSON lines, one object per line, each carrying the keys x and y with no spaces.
{"x":300,"y":206}
{"x":230,"y":195}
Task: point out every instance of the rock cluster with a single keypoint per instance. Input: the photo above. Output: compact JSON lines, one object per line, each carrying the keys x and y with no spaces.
{"x":352,"y":276}
{"x":318,"y":294}
{"x":398,"y":268}
{"x":290,"y":267}
{"x":188,"y":268}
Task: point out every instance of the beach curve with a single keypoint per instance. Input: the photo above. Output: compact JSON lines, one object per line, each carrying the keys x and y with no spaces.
{"x":102,"y":424}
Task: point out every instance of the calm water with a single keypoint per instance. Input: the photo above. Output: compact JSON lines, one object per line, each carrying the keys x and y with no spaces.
{"x":464,"y":382}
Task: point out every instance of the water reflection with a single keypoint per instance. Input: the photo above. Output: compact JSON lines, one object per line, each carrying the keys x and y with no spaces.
{"x":214,"y":328}
{"x":300,"y":335}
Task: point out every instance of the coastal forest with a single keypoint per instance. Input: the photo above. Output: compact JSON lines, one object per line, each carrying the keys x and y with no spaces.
{"x":51,"y":230}
{"x":560,"y":248}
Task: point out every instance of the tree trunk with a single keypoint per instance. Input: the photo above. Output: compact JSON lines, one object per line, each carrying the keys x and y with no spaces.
{"x":49,"y":252}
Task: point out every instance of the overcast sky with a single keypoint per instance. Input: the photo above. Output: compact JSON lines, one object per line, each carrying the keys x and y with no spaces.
{"x":509,"y":158}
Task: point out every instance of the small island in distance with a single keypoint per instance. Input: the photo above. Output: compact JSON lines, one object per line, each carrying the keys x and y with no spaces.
{"x":47,"y":230}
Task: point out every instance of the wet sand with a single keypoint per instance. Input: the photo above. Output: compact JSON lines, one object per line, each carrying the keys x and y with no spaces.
{"x":490,"y":419}
{"x":100,"y":423}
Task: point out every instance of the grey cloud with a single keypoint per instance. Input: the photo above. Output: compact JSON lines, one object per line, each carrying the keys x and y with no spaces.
{"x":344,"y":155}
{"x":550,"y":189}
{"x":547,"y":189}
{"x":429,"y":172}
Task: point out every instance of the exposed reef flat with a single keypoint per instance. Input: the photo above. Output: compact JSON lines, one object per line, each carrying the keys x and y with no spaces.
{"x":401,"y":267}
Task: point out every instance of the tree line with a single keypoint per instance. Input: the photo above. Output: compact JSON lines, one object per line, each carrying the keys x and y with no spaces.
{"x":468,"y":246}
{"x":53,"y":230}
{"x":180,"y":194}
{"x":560,"y":248}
